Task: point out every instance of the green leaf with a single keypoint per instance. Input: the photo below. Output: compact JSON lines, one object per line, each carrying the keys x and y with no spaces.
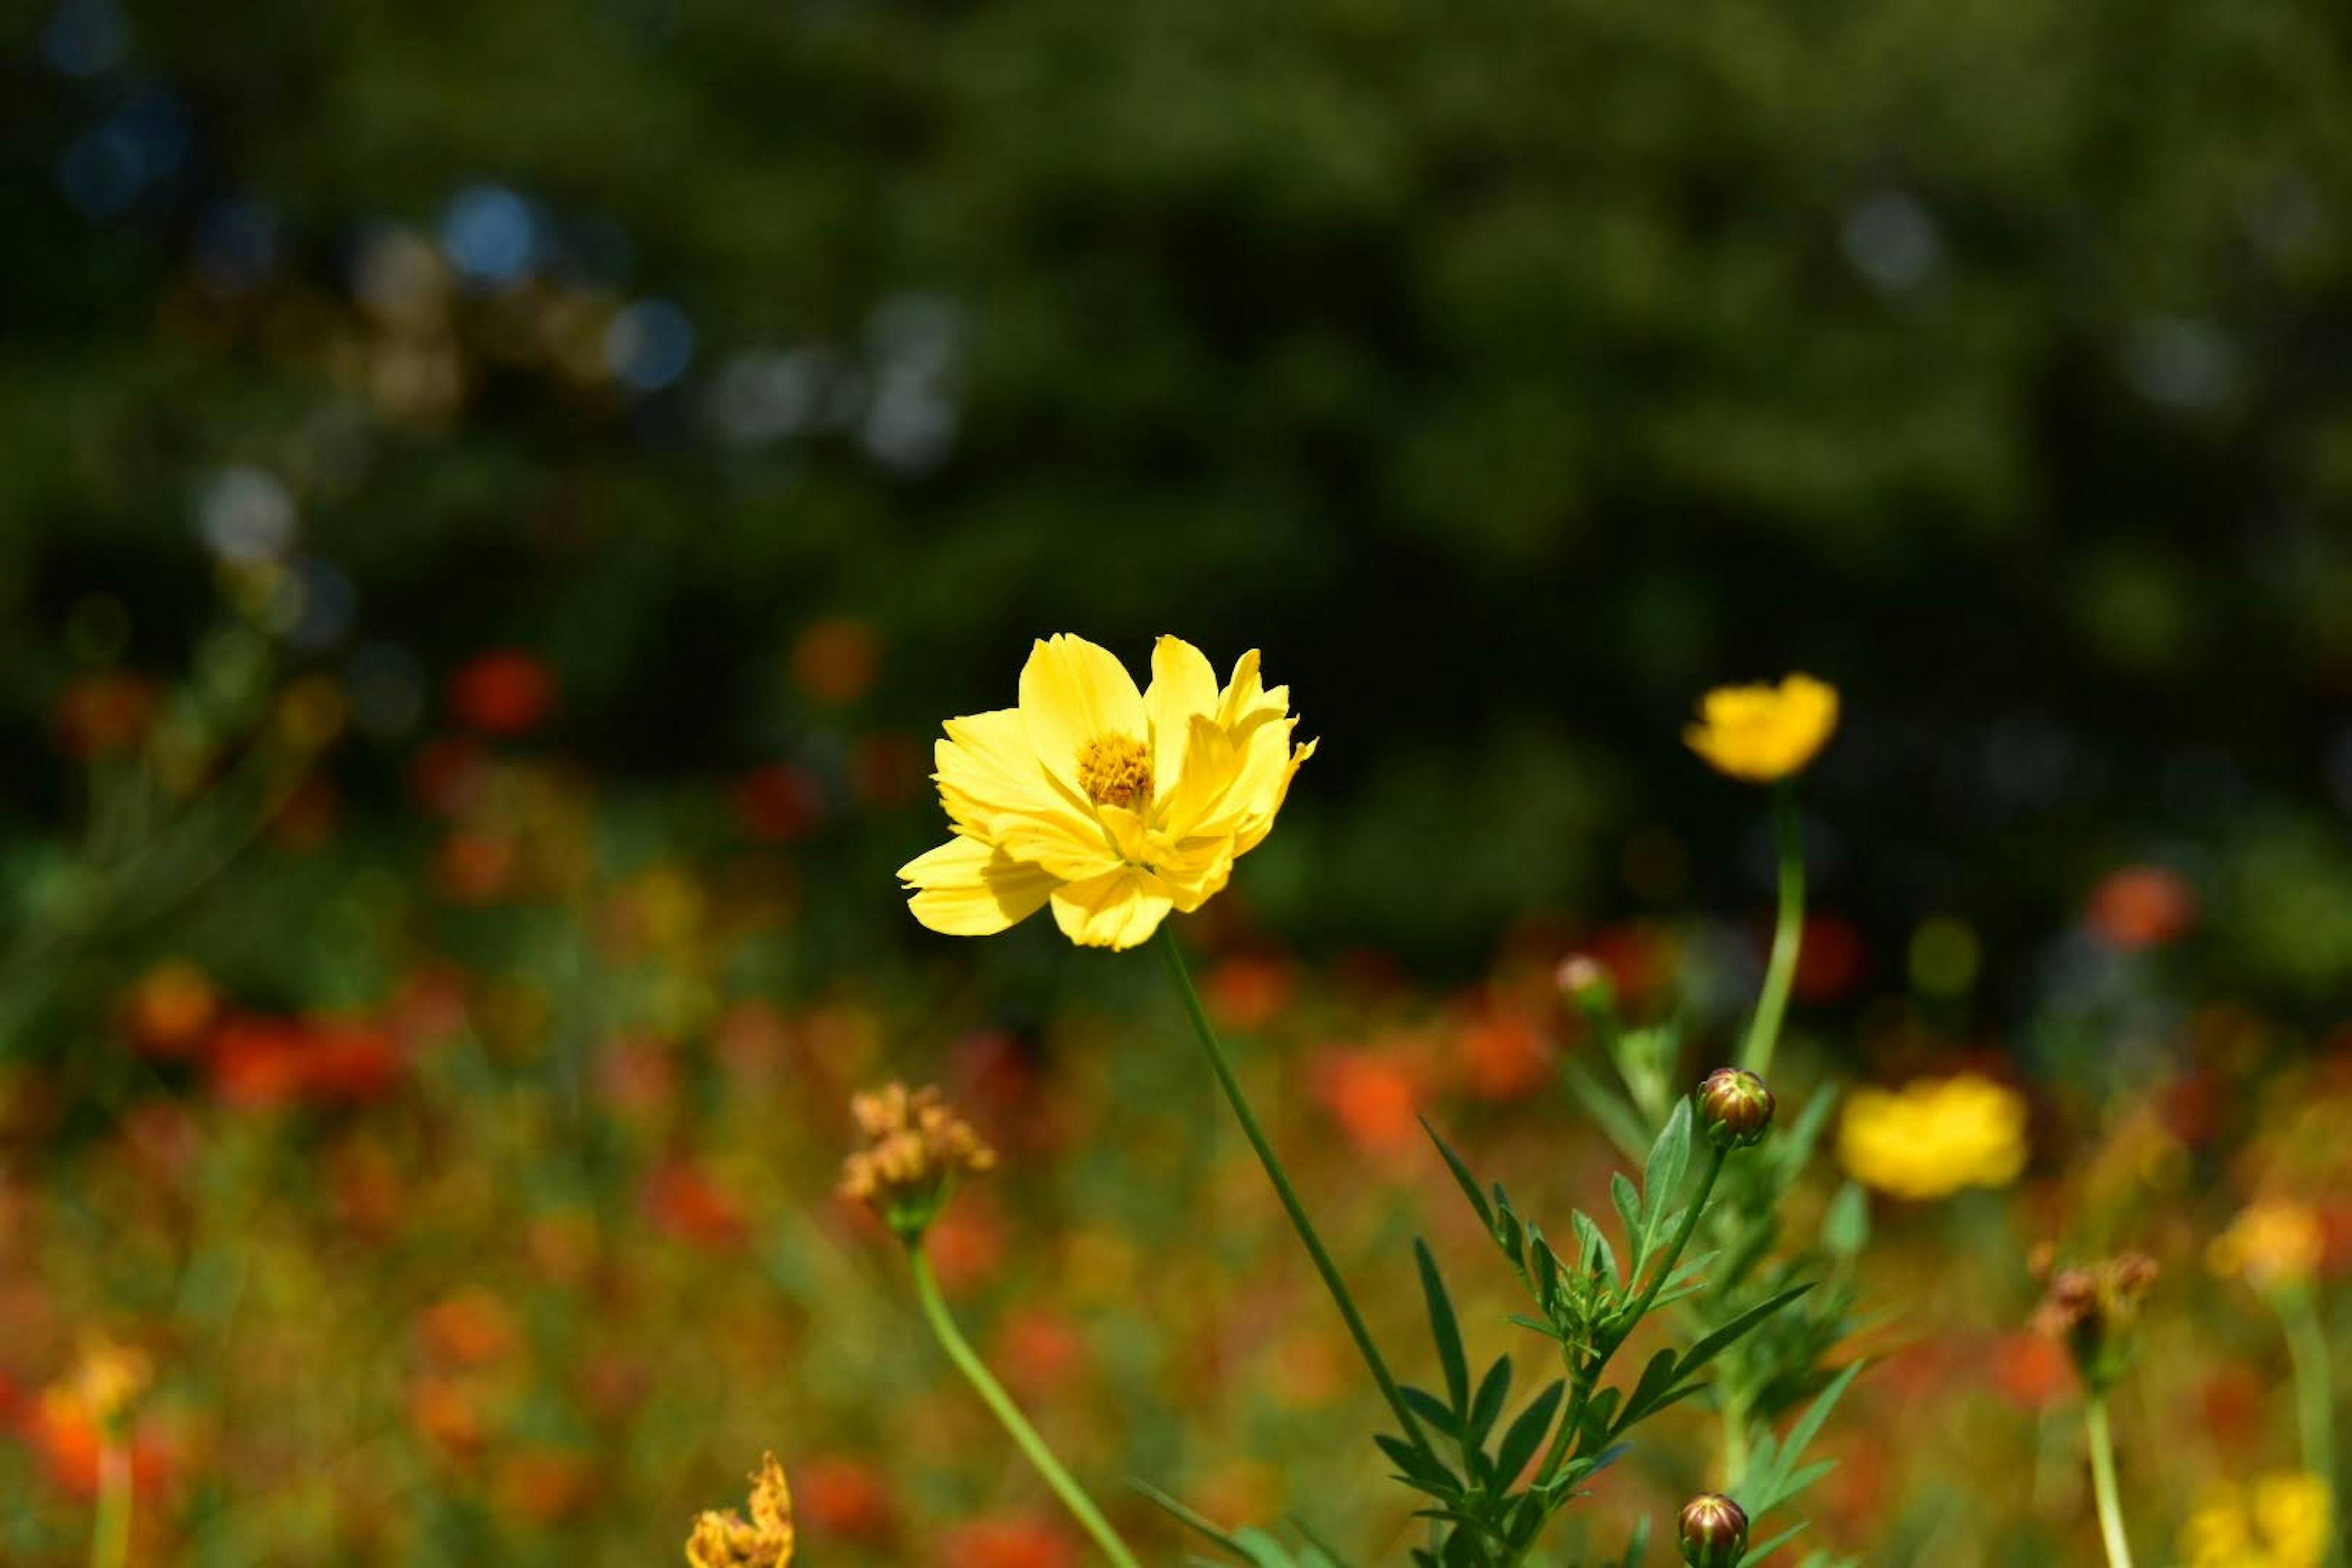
{"x":1845,"y":1225}
{"x":1615,"y":1114}
{"x":1629,"y":1209}
{"x":1756,"y":1554}
{"x":1649,"y":1389}
{"x":1189,"y":1519}
{"x":1716,"y":1343}
{"x":1462,"y":1177}
{"x":1525,"y":1433}
{"x":1669,"y":1160}
{"x":1774,"y":1482}
{"x":1594,"y":1247}
{"x":1445,"y":1332}
{"x":1640,"y":1544}
{"x":1493,"y":1389}
{"x":1432,"y":1409}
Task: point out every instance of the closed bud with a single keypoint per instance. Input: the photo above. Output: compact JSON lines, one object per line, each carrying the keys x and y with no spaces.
{"x":1734,"y":1107}
{"x":1715,"y":1531}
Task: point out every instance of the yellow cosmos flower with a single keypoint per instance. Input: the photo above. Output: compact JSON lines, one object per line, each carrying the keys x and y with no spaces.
{"x":1112,"y":805}
{"x":1761,"y":733}
{"x":1934,"y":1136}
{"x":2283,"y":1521}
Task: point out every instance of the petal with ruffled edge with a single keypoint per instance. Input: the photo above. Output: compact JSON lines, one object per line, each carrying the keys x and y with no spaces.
{"x":967,"y":887}
{"x":1119,"y":910}
{"x":1073,"y":692}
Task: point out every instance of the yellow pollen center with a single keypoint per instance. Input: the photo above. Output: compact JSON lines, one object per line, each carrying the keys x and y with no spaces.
{"x":1115,"y":770}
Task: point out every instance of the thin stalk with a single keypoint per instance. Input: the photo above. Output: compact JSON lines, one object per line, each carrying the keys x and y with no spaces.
{"x":1589,"y":1377}
{"x":999,"y":1403}
{"x":1222,"y":1068}
{"x":1787,"y":934}
{"x":109,"y":1538}
{"x":2103,"y":1482}
{"x":2306,"y":1343}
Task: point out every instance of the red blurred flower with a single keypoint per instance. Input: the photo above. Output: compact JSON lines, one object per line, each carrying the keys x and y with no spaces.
{"x":843,"y":1497}
{"x":1830,"y":962}
{"x":2142,"y":906}
{"x":67,"y":1440}
{"x":2032,"y":1369}
{"x":469,"y":1327}
{"x":779,"y":802}
{"x":1007,"y":1543}
{"x":1041,"y":1351}
{"x":503,"y":692}
{"x":688,"y":1205}
{"x":259,"y":1061}
{"x":101,"y":715}
{"x":1245,"y":993}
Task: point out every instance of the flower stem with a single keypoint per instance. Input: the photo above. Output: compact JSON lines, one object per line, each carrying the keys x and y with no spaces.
{"x":109,"y":1541}
{"x":2306,"y":1343}
{"x":999,"y":1403}
{"x":1223,"y":1068}
{"x":2103,"y":1482}
{"x":1788,"y":935}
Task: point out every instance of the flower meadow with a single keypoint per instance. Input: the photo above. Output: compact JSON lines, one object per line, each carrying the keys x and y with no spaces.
{"x":595,"y":1172}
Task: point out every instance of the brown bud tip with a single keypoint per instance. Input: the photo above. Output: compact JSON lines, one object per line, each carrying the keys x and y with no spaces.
{"x":1715,"y":1531}
{"x":1734,"y":1107}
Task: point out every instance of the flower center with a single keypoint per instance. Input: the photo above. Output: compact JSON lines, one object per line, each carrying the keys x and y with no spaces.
{"x":1115,"y":770}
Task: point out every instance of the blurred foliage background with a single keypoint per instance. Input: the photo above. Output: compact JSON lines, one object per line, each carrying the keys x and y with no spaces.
{"x":461,"y":461}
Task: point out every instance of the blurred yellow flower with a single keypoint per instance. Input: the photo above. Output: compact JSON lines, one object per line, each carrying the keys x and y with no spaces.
{"x":727,"y":1539}
{"x":2273,"y":1242}
{"x":1934,"y":1136}
{"x":2283,"y":1521}
{"x":1114,"y":805}
{"x":1761,"y":733}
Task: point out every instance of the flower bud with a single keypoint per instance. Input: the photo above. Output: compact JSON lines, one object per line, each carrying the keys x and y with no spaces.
{"x":1715,"y":1531}
{"x":1734,"y":1107}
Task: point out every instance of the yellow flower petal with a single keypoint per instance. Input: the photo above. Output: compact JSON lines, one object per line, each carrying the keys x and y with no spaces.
{"x":967,"y":887}
{"x":1073,"y":692}
{"x":1183,"y":685}
{"x":1761,"y":733}
{"x":1119,"y":910}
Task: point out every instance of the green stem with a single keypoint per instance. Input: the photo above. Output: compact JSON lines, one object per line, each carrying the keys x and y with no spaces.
{"x":2306,"y":1343}
{"x":1735,"y":1444}
{"x":110,"y":1540}
{"x":1223,"y":1068}
{"x":1787,"y":934}
{"x":2103,"y":1482}
{"x":999,"y":1403}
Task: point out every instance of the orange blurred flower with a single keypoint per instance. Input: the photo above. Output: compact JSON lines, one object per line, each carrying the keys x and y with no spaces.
{"x":2142,"y":906}
{"x":1246,"y":994}
{"x":844,"y":1498}
{"x":1375,"y":1097}
{"x":1504,"y":1052}
{"x":836,"y":660}
{"x":469,"y":1327}
{"x":171,"y":1008}
{"x":259,"y":1062}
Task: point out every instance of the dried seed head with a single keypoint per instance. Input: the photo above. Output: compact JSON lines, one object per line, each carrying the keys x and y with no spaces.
{"x":725,"y":1539}
{"x":917,"y":1148}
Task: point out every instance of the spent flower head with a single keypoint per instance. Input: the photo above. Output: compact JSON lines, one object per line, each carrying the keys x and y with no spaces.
{"x":2090,"y":1309}
{"x":1764,"y":733}
{"x":725,"y":1539}
{"x":917,"y":1148}
{"x":1714,"y":1531}
{"x":1113,"y":806}
{"x":1735,"y":1108}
